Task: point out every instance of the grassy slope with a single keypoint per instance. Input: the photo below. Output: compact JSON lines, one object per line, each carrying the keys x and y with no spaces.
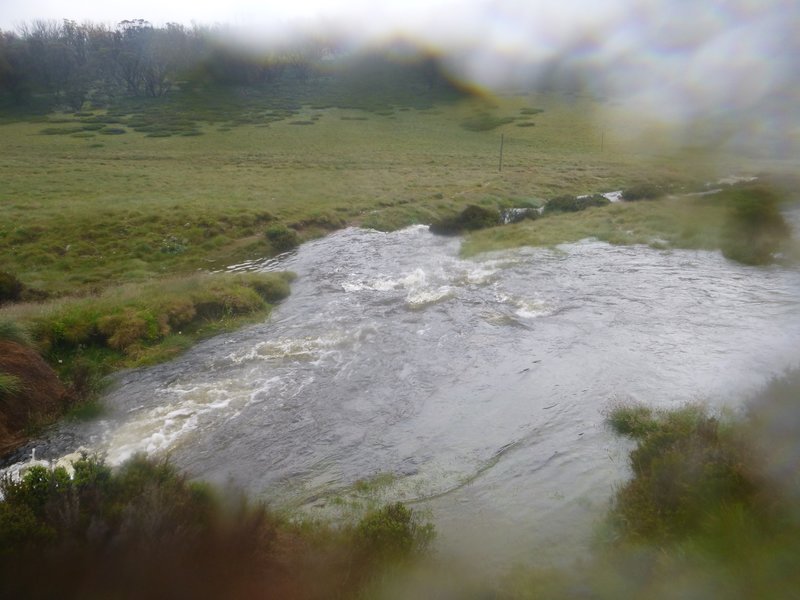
{"x":82,"y":212}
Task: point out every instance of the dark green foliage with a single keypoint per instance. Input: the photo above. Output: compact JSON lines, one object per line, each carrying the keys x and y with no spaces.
{"x":756,"y":230}
{"x":471,"y":218}
{"x":282,"y":238}
{"x":645,"y":191}
{"x":144,"y":530}
{"x":10,"y":287}
{"x":574,"y":204}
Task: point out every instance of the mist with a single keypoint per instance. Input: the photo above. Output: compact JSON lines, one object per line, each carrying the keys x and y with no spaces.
{"x":720,"y":74}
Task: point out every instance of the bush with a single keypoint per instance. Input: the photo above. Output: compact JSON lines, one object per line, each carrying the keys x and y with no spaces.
{"x":686,"y":469}
{"x":281,"y":238}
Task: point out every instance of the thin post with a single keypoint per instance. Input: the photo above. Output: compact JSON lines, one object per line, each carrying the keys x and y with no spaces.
{"x":500,"y":166}
{"x":602,"y":139}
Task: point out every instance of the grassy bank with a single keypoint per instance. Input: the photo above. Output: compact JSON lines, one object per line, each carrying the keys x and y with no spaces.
{"x":743,"y":221}
{"x":132,"y":325}
{"x":138,"y":324}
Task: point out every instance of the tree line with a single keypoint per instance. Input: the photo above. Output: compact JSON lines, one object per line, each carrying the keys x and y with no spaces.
{"x":71,"y":63}
{"x":66,"y":64}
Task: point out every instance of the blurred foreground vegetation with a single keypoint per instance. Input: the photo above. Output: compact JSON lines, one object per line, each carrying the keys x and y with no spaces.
{"x":145,"y":531}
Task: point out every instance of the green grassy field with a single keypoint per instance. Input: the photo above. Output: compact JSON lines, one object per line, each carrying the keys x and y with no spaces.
{"x":80,"y":213}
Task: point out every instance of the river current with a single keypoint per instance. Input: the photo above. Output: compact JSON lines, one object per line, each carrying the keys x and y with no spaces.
{"x":474,"y":389}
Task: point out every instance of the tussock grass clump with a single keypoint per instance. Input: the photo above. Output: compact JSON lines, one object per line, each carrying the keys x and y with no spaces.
{"x":11,"y":331}
{"x":472,"y":218}
{"x":574,"y":203}
{"x":99,"y":529}
{"x":281,"y":237}
{"x":393,"y":533}
{"x":644,"y":191}
{"x":10,"y":385}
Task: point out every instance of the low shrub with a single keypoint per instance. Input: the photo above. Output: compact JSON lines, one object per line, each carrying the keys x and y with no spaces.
{"x":686,"y":469}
